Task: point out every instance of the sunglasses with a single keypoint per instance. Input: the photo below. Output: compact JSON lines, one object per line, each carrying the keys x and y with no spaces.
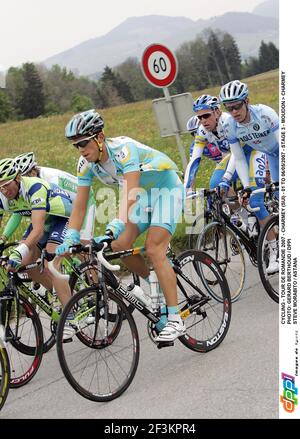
{"x":236,"y":107}
{"x":204,"y":116}
{"x":83,"y":143}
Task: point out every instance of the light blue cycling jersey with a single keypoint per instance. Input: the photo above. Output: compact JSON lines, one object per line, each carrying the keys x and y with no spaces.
{"x":212,"y":144}
{"x":126,"y":155}
{"x":261,"y":133}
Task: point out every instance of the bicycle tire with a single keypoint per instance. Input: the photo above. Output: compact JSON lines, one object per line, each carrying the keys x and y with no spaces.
{"x":209,"y":321}
{"x":86,"y":367}
{"x":4,"y":374}
{"x":24,"y":348}
{"x":212,"y":241}
{"x":270,"y":282}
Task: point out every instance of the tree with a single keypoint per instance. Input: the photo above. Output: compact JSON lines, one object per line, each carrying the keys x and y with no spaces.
{"x":81,"y":103}
{"x":32,"y":102}
{"x":268,"y":57}
{"x":15,"y":88}
{"x":5,"y":107}
{"x":216,"y":60}
{"x":232,"y":56}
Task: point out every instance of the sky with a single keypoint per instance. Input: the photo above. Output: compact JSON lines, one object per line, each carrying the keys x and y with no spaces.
{"x":33,"y":30}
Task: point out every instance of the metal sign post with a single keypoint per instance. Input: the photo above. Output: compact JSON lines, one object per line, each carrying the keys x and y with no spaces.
{"x":175,"y":126}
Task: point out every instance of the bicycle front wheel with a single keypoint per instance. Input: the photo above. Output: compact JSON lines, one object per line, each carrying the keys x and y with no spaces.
{"x":4,"y":374}
{"x":222,"y":244}
{"x":207,"y":320}
{"x":24,"y":336}
{"x":102,"y":369}
{"x":270,"y":280}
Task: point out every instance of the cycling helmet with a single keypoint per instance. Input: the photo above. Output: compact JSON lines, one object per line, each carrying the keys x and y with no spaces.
{"x":8,"y":170}
{"x":192,"y":124}
{"x":214,"y":102}
{"x":84,"y":124}
{"x":202,"y":103}
{"x":234,"y":91}
{"x":26,"y":162}
{"x":206,"y":102}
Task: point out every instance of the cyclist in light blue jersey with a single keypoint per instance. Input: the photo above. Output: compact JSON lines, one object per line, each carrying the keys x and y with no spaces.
{"x":143,"y":172}
{"x":256,"y":127}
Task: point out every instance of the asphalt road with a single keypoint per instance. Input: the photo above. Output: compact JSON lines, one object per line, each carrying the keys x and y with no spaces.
{"x":239,"y":379}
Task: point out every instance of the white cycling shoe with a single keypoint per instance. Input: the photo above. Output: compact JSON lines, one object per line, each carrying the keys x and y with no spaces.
{"x":273,"y":267}
{"x":171,"y":331}
{"x":69,"y":331}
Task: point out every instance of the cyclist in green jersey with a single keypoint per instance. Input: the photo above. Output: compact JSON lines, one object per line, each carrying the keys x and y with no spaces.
{"x":28,"y":167}
{"x":49,"y":208}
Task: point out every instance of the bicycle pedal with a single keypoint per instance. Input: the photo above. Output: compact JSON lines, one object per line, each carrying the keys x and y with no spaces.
{"x":164,"y":344}
{"x":68,"y":340}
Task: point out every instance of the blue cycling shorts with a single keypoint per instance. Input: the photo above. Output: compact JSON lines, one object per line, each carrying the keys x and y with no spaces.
{"x":160,"y":206}
{"x":55,"y":230}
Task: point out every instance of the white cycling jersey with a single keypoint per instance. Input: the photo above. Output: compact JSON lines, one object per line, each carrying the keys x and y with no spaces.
{"x":63,"y":179}
{"x":212,"y":144}
{"x":261,"y":133}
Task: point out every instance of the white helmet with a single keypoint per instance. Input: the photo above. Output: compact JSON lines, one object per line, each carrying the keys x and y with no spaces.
{"x":234,"y":91}
{"x":193,"y":124}
{"x":26,"y":162}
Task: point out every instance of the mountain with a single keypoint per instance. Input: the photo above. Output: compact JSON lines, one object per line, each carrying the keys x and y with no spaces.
{"x":131,"y":37}
{"x":269,"y":8}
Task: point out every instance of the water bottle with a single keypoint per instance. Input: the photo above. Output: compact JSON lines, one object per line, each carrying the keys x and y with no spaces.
{"x":252,"y":226}
{"x":236,"y":220}
{"x":157,"y":299}
{"x":138,"y":292}
{"x":39,"y":289}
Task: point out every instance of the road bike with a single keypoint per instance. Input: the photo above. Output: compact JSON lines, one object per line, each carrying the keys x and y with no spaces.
{"x":101,"y":360}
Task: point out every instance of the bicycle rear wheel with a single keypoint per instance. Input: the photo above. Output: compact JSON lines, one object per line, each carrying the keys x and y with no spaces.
{"x":102,"y":369}
{"x":24,"y":341}
{"x":270,"y":281}
{"x":207,"y":320}
{"x":222,"y":244}
{"x":4,"y":374}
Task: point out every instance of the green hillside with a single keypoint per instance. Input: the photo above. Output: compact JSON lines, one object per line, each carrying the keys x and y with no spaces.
{"x":45,"y":136}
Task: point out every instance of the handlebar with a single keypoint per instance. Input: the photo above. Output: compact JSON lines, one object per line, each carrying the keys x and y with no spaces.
{"x":94,"y":247}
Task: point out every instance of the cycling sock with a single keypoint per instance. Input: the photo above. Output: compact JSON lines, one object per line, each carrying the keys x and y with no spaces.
{"x":163,"y":318}
{"x":173,"y":314}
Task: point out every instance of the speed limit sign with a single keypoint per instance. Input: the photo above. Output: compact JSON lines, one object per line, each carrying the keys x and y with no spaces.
{"x":159,"y":65}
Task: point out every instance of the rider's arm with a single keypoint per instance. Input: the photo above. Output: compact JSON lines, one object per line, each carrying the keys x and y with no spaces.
{"x":240,"y":162}
{"x":12,"y":225}
{"x":192,"y":167}
{"x":230,"y":168}
{"x":194,"y":163}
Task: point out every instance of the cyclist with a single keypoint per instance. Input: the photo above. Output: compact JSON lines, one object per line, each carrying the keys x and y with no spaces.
{"x":68,"y":182}
{"x":255,"y":127}
{"x":144,"y":171}
{"x":210,"y":141}
{"x":49,"y":208}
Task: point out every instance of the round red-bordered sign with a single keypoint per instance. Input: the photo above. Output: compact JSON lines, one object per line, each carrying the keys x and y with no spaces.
{"x":159,"y":65}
